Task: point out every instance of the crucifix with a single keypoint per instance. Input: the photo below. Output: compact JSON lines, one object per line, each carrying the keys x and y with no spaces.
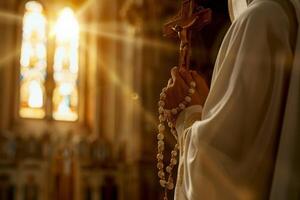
{"x":190,"y":17}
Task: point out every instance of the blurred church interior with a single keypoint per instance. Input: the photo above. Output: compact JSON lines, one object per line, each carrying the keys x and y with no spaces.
{"x":80,"y":80}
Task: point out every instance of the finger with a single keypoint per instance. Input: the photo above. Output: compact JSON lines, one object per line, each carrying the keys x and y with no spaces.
{"x":200,"y":82}
{"x":197,"y":78}
{"x":186,"y":76}
{"x":174,"y":73}
{"x":177,"y":78}
{"x":170,"y":96}
{"x":170,"y":83}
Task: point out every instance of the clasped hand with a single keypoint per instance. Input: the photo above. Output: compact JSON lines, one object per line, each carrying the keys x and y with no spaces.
{"x":178,"y":88}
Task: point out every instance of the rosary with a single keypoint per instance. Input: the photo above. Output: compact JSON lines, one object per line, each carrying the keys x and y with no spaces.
{"x":189,"y":18}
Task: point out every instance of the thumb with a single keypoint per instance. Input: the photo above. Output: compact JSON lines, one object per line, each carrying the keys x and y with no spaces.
{"x":200,"y":82}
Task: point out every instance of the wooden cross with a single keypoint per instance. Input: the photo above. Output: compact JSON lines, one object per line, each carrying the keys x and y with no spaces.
{"x":189,"y":18}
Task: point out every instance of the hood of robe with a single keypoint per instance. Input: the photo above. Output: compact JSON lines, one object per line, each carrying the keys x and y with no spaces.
{"x":236,"y":8}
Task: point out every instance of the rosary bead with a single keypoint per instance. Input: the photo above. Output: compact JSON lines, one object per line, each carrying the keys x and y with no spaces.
{"x":162,"y":118}
{"x":161,"y":143}
{"x":161,"y":127}
{"x":160,"y":147}
{"x":188,"y":99}
{"x":170,"y":185}
{"x":174,"y":111}
{"x":193,"y":84}
{"x":160,"y":165}
{"x":163,"y":95}
{"x":170,"y":124}
{"x":162,"y":183}
{"x":191,"y":91}
{"x":161,"y":103}
{"x":168,"y":113}
{"x":173,"y":161}
{"x":169,"y":169}
{"x":160,"y":110}
{"x":161,"y":174}
{"x":170,"y":179}
{"x":181,"y":106}
{"x":160,"y":156}
{"x":173,"y":131}
{"x":160,"y":136}
{"x":174,"y":153}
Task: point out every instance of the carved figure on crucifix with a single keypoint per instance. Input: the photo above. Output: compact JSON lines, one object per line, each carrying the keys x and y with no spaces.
{"x":182,"y":26}
{"x":184,"y":49}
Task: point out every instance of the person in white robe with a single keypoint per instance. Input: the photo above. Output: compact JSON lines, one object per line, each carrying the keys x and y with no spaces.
{"x":238,"y":141}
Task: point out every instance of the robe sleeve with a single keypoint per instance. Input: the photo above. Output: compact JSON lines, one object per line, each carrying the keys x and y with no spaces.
{"x":228,"y":152}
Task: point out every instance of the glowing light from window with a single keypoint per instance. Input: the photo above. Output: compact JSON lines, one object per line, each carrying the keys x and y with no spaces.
{"x":35,"y":95}
{"x":33,"y":62}
{"x":65,"y":95}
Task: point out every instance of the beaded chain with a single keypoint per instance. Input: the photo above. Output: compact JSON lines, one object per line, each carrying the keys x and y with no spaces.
{"x":164,"y":116}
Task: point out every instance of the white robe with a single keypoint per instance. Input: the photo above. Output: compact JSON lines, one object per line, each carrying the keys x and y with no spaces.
{"x":228,"y":149}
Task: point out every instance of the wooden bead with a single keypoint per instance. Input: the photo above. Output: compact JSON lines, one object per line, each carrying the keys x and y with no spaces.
{"x":170,"y":124}
{"x":160,"y":165}
{"x":162,"y":183}
{"x":161,"y":174}
{"x":191,"y":91}
{"x":160,"y":147}
{"x":161,"y":127}
{"x":161,"y":103}
{"x":160,"y":136}
{"x":174,"y":153}
{"x":160,"y":156}
{"x":173,"y":161}
{"x":163,"y":95}
{"x":174,"y":111}
{"x":161,"y":110}
{"x":193,"y":84}
{"x":188,"y":99}
{"x":170,"y":185}
{"x":161,"y":143}
{"x":181,"y":106}
{"x":169,"y":169}
{"x":162,"y":118}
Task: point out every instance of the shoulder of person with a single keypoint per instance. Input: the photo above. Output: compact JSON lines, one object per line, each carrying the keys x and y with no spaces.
{"x":265,"y":12}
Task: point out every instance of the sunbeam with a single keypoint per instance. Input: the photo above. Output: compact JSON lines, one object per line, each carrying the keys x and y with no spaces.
{"x":9,"y":57}
{"x":126,"y":88}
{"x":8,"y":16}
{"x":84,"y":7}
{"x":108,"y":31}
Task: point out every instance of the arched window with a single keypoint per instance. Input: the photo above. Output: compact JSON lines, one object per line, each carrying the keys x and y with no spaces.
{"x":65,"y":94}
{"x":33,"y":62}
{"x":34,"y":65}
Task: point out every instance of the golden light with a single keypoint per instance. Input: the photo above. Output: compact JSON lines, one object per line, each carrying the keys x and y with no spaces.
{"x":35,"y":99}
{"x":67,"y":27}
{"x":33,"y":62}
{"x":65,"y":95}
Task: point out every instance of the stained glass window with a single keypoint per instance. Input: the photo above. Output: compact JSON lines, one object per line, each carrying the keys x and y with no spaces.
{"x":33,"y":62}
{"x":65,"y":94}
